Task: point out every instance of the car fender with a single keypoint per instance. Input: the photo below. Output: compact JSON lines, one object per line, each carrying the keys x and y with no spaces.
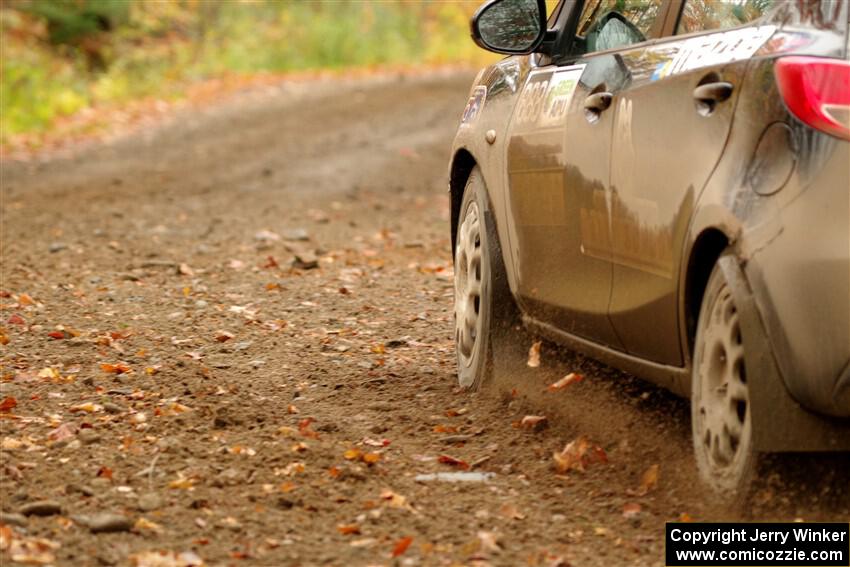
{"x":779,"y":423}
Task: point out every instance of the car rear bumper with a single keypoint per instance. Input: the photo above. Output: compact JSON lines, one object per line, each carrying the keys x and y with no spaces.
{"x":797,"y":260}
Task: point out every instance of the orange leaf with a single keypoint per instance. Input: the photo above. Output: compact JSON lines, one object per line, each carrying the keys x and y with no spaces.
{"x":8,"y":404}
{"x":105,"y":472}
{"x":570,"y":378}
{"x":58,"y":335}
{"x":117,"y":368}
{"x":371,"y":458}
{"x":25,"y":299}
{"x":452,"y":461}
{"x":334,"y":472}
{"x":348,"y":529}
{"x":534,"y":355}
{"x":402,"y":545}
{"x":352,"y":454}
{"x":649,"y":480}
{"x":445,"y":429}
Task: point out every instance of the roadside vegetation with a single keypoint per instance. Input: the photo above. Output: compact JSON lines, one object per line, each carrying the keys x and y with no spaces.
{"x":62,"y":57}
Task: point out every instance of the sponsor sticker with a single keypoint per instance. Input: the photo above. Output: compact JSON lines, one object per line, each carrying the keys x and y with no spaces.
{"x":714,"y":49}
{"x":474,"y":105}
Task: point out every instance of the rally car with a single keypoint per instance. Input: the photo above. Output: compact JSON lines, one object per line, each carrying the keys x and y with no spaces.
{"x":665,"y":186}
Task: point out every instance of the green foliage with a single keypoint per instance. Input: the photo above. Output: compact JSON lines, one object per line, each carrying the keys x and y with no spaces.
{"x":59,"y":56}
{"x":70,"y":22}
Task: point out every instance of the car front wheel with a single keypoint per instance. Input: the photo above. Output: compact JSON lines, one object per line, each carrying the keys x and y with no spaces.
{"x":483,"y":307}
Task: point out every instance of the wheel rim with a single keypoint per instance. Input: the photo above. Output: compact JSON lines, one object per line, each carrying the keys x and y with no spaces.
{"x":468,"y":284}
{"x":723,"y":416}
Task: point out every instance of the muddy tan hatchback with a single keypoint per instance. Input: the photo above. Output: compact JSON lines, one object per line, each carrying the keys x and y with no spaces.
{"x":665,"y":185}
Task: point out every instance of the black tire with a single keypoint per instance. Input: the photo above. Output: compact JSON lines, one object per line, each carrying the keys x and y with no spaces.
{"x":484,"y":308}
{"x":720,"y":405}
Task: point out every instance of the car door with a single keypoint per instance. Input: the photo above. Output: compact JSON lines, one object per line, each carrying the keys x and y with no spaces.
{"x":671,"y":124}
{"x":558,"y":173}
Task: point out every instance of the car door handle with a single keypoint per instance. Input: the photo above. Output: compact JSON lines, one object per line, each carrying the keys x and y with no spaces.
{"x":711,"y":93}
{"x":598,"y":102}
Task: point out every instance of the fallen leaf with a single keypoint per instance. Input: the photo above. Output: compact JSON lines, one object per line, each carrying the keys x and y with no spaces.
{"x":452,"y":461}
{"x":631,"y":510}
{"x":145,"y":525}
{"x":183,"y":483}
{"x":25,"y":299}
{"x":117,"y":368}
{"x":348,"y":529}
{"x":351,"y":454}
{"x":222,"y":336}
{"x":304,"y":428}
{"x":33,"y":551}
{"x":489,"y":542}
{"x":578,"y":455}
{"x":534,"y":422}
{"x":371,"y":458}
{"x":105,"y":472}
{"x":16,"y":319}
{"x":570,"y":378}
{"x":59,"y":335}
{"x":648,"y":481}
{"x":185,"y":270}
{"x":165,"y":559}
{"x":401,"y":546}
{"x":8,"y":404}
{"x":510,"y":512}
{"x":62,"y":432}
{"x":87,"y":407}
{"x":534,"y":354}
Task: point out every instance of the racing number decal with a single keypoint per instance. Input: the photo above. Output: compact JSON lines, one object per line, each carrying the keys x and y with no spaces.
{"x":546,"y":97}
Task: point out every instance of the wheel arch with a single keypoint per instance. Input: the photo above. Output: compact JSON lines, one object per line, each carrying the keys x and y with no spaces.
{"x":706,"y":249}
{"x":463,"y":162}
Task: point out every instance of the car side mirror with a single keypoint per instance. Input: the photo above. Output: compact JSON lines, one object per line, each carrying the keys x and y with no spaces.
{"x":510,"y":26}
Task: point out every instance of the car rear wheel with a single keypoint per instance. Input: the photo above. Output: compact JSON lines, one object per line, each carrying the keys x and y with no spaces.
{"x":483,"y":306}
{"x":720,"y":396}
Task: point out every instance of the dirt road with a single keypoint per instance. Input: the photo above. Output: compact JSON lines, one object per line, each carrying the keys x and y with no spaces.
{"x":230,"y":338}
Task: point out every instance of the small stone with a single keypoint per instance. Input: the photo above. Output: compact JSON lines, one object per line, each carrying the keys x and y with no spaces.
{"x":150,"y":501}
{"x":327,"y":427}
{"x":221,"y":362}
{"x":13,"y":519}
{"x":57,"y":247}
{"x":200,"y":304}
{"x":228,"y":477}
{"x":109,"y":407}
{"x":89,"y":436}
{"x":296,"y":234}
{"x":82,"y":489}
{"x":107,"y":523}
{"x":305,"y":261}
{"x":166,"y":444}
{"x":41,"y":508}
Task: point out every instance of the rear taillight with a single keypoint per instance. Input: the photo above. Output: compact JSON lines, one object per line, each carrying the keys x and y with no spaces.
{"x":817,"y":91}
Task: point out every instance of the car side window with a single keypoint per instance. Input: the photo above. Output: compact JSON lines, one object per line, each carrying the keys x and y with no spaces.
{"x":610,"y":24}
{"x":707,"y":15}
